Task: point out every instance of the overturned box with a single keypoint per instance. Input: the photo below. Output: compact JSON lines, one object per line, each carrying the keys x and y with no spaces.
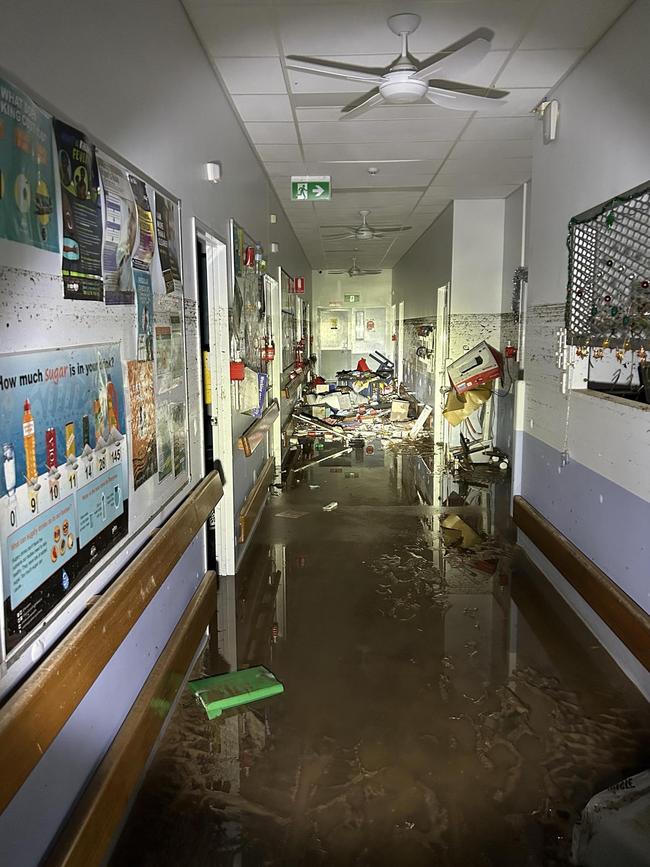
{"x":480,"y":365}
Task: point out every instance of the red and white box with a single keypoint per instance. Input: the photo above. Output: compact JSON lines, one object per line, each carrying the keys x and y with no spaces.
{"x":477,"y":367}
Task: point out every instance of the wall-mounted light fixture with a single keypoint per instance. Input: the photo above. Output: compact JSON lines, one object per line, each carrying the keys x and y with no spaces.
{"x":213,"y":172}
{"x":548,"y":111}
{"x":275,"y":248}
{"x":273,"y":219}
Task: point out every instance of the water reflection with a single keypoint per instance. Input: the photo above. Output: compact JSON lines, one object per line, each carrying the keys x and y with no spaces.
{"x":441,"y":704}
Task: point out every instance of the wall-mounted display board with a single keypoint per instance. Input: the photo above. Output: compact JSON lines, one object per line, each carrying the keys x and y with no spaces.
{"x":248,"y":326}
{"x":93,"y":380}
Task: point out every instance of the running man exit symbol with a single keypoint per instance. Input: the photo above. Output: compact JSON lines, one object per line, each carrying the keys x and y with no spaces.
{"x":311,"y":189}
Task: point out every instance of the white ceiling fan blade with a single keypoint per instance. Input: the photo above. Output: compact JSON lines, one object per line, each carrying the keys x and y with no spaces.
{"x":340,"y":237}
{"x":458,"y":61}
{"x":319,"y":67}
{"x":461,"y":101}
{"x":371,"y":102}
{"x":391,"y":228}
{"x":370,"y":272}
{"x":337,"y":272}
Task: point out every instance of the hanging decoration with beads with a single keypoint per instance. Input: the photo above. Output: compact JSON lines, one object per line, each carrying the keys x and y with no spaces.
{"x":608,"y":295}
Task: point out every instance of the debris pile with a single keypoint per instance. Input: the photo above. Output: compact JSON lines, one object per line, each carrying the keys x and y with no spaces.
{"x":362,"y":404}
{"x":411,"y":584}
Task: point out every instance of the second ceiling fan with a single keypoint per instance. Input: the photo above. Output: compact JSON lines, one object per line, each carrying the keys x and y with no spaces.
{"x":364,"y":232}
{"x":406,"y":81}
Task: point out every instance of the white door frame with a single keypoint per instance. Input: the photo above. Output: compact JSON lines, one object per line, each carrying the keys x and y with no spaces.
{"x":441,"y":352}
{"x":274,"y":299}
{"x":220,"y":390}
{"x":400,"y":344}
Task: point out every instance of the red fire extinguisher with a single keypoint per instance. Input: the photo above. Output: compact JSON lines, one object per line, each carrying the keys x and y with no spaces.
{"x":237,"y":367}
{"x":268,"y":352}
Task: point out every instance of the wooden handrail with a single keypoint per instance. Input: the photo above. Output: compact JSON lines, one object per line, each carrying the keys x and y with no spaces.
{"x":34,"y":716}
{"x":255,"y":500}
{"x":621,"y":613}
{"x":291,"y":386}
{"x":254,"y":434}
{"x":90,"y":829}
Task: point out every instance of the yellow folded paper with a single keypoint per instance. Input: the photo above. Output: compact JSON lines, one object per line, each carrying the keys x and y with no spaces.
{"x":461,"y":406}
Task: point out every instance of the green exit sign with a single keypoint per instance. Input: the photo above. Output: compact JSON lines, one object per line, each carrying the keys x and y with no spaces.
{"x":352,"y":299}
{"x":311,"y":189}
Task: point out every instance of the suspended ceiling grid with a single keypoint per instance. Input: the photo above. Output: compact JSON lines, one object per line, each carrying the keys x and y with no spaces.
{"x":426,"y":156}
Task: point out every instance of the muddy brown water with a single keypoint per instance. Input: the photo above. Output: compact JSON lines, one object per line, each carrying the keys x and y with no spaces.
{"x":442,"y":705}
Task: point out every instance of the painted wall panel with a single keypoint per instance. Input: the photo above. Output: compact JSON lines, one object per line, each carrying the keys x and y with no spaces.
{"x":424,"y":268}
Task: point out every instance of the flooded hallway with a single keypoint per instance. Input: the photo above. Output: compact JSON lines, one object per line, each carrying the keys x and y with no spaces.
{"x":324,"y":430}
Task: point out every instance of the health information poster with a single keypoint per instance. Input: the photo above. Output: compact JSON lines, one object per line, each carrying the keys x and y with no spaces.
{"x":64,"y":476}
{"x":82,"y":215}
{"x":27,"y":173}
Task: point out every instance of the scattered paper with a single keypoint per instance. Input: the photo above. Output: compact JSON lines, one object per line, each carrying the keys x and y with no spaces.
{"x":313,"y":487}
{"x":460,"y":532}
{"x":330,"y":507}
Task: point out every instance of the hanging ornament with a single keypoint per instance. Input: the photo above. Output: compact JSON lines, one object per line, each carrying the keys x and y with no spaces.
{"x":613,"y":311}
{"x":641,"y":354}
{"x":607,"y":298}
{"x":582,"y":351}
{"x":610,"y":219}
{"x":597,"y":353}
{"x":620,"y":354}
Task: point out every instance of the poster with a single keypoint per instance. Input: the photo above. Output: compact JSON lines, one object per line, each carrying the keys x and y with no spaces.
{"x":168,"y":237}
{"x":144,"y":309}
{"x":82,"y":215}
{"x":143,"y":421}
{"x":164,"y":380}
{"x":63,"y":489}
{"x":144,"y":247}
{"x":179,"y":438}
{"x":164,"y":441}
{"x":120,"y":233}
{"x":27,"y":191}
{"x":178,"y":358}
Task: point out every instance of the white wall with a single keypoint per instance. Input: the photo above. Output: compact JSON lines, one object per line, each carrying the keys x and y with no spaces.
{"x":374,"y":291}
{"x":425,"y":267}
{"x":600,"y":498}
{"x":477,"y":262}
{"x":134,"y":76}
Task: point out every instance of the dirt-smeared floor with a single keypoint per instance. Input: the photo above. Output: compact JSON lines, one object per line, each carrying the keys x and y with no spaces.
{"x":442,"y":705}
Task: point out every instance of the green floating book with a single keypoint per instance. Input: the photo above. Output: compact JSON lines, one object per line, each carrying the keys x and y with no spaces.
{"x":224,"y":691}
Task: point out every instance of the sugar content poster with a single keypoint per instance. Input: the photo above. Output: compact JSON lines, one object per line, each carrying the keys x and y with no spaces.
{"x":27,"y":172}
{"x":63,"y":486}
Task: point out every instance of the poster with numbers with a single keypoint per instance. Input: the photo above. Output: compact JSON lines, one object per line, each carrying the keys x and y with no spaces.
{"x":63,"y":475}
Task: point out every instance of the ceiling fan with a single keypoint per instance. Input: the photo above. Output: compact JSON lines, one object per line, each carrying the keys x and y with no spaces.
{"x":364,"y":232}
{"x":355,"y":271}
{"x":404,"y":81}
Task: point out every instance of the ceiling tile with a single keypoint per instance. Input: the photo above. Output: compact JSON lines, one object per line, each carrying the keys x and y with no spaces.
{"x":372,"y":151}
{"x":262,"y":107}
{"x":470,"y":189}
{"x":230,"y":34}
{"x":496,"y":148}
{"x":489,"y":128}
{"x":538,"y":68}
{"x":577,"y":24}
{"x":272,"y":133}
{"x":280,"y":153}
{"x":251,"y":74}
{"x":444,"y":129}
